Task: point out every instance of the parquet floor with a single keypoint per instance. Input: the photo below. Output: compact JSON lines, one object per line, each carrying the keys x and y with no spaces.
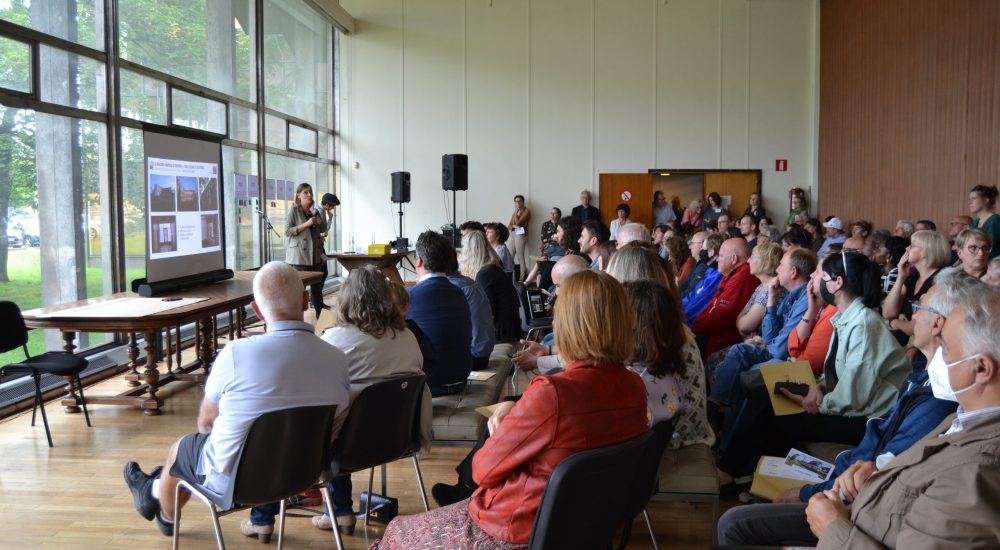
{"x":73,"y":495}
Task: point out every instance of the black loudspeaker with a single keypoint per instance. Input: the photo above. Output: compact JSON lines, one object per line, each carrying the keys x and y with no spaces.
{"x":455,"y":172}
{"x":400,"y":187}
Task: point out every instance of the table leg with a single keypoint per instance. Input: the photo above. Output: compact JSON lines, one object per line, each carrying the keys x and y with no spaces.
{"x":133,"y":356}
{"x":241,"y":321}
{"x":207,"y":336}
{"x":68,"y":347}
{"x":231,"y":327}
{"x":168,"y":353}
{"x":179,"y":361}
{"x":151,"y":375}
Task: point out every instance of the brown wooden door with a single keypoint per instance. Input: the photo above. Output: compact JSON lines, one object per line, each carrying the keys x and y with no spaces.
{"x":738,"y":185}
{"x":635,"y":190}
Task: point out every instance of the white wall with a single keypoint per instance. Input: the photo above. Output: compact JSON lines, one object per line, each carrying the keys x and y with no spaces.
{"x":544,"y":95}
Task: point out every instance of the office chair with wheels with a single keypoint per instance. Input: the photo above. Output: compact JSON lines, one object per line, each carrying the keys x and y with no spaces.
{"x":57,"y":363}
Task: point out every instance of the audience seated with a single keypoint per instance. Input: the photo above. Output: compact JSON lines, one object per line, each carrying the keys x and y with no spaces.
{"x":904,"y":229}
{"x":480,"y":262}
{"x":939,"y":493}
{"x":748,"y":229}
{"x":973,"y":247}
{"x":888,"y":258}
{"x":796,"y":237}
{"x":693,"y":219}
{"x":716,"y":325}
{"x":834,"y":235}
{"x":811,"y":338}
{"x":660,"y":239}
{"x":679,"y":256}
{"x":756,"y":209}
{"x":372,"y":333}
{"x":927,"y":254}
{"x":497,"y":235}
{"x":705,"y":255}
{"x":440,"y":311}
{"x":631,"y":232}
{"x":916,"y":411}
{"x":706,"y":277}
{"x":861,"y":228}
{"x":593,"y":234}
{"x":856,"y":244}
{"x":714,"y":208}
{"x":481,"y":315}
{"x":724,"y":223}
{"x":568,"y":232}
{"x":287,"y":367}
{"x":781,"y":317}
{"x":764,"y":261}
{"x":548,"y":233}
{"x":925,"y":225}
{"x":992,"y":277}
{"x":862,"y":375}
{"x":595,"y":402}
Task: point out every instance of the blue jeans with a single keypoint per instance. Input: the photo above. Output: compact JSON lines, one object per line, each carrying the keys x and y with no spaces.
{"x":340,"y":494}
{"x":726,"y":389}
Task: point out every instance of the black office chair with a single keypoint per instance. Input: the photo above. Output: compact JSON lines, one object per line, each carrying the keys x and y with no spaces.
{"x":382,"y":426}
{"x":284,"y":454}
{"x":592,"y":494}
{"x":58,"y":363}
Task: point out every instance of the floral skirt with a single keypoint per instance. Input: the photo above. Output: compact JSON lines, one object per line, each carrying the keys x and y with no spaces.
{"x":448,"y":527}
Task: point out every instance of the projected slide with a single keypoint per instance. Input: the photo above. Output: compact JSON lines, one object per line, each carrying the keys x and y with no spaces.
{"x":184,"y":207}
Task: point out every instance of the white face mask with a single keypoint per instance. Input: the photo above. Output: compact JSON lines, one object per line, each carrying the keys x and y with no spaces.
{"x":937,"y":371}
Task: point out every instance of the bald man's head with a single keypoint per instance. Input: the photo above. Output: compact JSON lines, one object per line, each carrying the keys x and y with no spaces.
{"x":854,"y":243}
{"x":567,"y":266}
{"x":278,"y":294}
{"x":632,"y":232}
{"x":732,"y":254}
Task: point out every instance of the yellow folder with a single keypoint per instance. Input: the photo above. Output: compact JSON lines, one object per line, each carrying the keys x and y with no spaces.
{"x":770,"y":487}
{"x":796,"y":371}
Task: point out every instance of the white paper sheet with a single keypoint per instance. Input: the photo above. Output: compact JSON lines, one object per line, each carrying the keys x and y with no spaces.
{"x":124,"y":307}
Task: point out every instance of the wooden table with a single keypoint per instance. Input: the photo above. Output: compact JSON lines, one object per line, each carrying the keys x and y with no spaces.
{"x":386,"y":263}
{"x":222,"y":297}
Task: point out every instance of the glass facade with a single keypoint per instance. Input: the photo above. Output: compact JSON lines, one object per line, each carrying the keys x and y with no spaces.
{"x":64,"y":200}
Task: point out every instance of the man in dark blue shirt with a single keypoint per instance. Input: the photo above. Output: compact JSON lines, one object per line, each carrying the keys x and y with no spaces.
{"x":441,"y":312}
{"x":584,"y":210}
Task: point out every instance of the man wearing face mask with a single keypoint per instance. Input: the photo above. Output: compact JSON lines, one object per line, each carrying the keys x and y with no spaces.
{"x":942,"y":491}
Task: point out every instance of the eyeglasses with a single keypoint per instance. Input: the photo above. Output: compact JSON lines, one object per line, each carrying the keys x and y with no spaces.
{"x":975,"y":249}
{"x":843,"y":256}
{"x":917,"y":307}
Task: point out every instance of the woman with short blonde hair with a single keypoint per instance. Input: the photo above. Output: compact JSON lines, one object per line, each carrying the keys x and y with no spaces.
{"x":927,"y":254}
{"x":593,"y":319}
{"x":973,"y":247}
{"x":480,"y":262}
{"x":476,"y":253}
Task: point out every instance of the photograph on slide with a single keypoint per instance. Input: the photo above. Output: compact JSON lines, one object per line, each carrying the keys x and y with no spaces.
{"x":208,"y":189}
{"x":164,"y":234}
{"x":187,"y":194}
{"x":162,"y":193}
{"x":209,"y":230}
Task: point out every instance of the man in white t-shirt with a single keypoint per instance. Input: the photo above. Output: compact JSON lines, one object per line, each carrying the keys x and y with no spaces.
{"x":287,"y":367}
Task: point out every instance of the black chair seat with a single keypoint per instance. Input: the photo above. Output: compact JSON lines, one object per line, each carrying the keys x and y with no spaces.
{"x":58,"y":363}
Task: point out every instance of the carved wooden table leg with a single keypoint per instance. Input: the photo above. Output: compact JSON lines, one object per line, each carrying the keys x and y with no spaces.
{"x":68,"y":347}
{"x":241,"y":321}
{"x":168,"y":353}
{"x":231,"y":327}
{"x":179,"y":363}
{"x":152,"y":377}
{"x":207,"y":337}
{"x":133,"y":356}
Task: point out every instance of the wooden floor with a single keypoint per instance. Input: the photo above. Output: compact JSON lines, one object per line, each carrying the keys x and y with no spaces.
{"x":73,"y":495}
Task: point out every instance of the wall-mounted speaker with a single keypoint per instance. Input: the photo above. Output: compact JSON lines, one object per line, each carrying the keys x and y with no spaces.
{"x":400,"y":187}
{"x":455,"y":172}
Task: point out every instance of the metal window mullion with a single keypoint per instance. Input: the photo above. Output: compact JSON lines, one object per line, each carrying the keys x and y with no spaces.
{"x":186,"y":85}
{"x":263,"y":233}
{"x":300,"y":122}
{"x":116,"y":183}
{"x":19,"y":101}
{"x":296,"y":155}
{"x":25,"y":34}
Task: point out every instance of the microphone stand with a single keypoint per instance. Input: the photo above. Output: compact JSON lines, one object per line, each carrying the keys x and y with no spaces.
{"x":267,"y":223}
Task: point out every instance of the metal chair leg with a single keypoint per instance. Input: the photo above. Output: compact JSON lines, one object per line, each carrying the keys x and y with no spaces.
{"x":368,"y":503}
{"x":329,"y":512}
{"x":41,"y":405}
{"x":83,"y":401}
{"x":218,"y":527}
{"x":420,"y":483}
{"x":649,"y":525}
{"x":177,"y":517}
{"x":281,"y":525}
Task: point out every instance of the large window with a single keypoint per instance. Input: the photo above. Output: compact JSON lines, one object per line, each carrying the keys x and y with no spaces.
{"x":72,"y":217}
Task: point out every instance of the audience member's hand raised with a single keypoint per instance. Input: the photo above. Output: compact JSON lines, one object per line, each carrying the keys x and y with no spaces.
{"x":498,"y":415}
{"x":850,"y":482}
{"x":904,"y":265}
{"x":822,"y":510}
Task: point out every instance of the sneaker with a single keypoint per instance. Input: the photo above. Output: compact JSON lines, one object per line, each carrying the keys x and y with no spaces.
{"x":165,"y":527}
{"x":345,"y":524}
{"x":445,"y":494}
{"x":139,"y":484}
{"x":262,"y":532}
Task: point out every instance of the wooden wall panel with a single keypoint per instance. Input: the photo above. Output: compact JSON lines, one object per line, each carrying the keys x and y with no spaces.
{"x":909,"y":107}
{"x":640,"y":193}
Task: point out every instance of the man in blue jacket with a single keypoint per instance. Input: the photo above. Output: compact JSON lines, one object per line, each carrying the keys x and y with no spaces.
{"x":441,"y":312}
{"x":916,"y":411}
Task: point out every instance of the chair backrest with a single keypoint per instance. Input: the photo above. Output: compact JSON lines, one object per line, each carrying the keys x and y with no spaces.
{"x":590,"y":495}
{"x":284,"y":454}
{"x":14,"y":333}
{"x":382,"y":425}
{"x":526,"y":298}
{"x":649,"y":471}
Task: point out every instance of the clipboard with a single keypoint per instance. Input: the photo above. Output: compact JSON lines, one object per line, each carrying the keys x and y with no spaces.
{"x":797,"y":371}
{"x":771,"y":487}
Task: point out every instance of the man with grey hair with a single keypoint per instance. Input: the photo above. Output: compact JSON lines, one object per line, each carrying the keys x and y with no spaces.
{"x":585,"y":211}
{"x":287,"y":367}
{"x":632,"y":232}
{"x":940,"y":492}
{"x":904,"y":229}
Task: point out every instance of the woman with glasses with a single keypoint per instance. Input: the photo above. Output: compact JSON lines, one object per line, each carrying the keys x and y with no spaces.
{"x":982,"y":208}
{"x":927,"y":254}
{"x":973,"y":247}
{"x":863,"y":371}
